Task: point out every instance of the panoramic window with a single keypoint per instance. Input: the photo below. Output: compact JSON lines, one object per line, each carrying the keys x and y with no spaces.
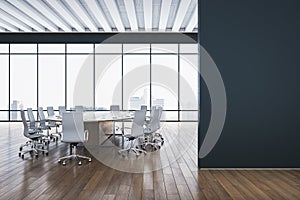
{"x":99,"y":75}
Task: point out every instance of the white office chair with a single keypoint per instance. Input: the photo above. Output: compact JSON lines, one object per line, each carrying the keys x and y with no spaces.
{"x":137,"y":130}
{"x":143,"y":107}
{"x":150,"y":129}
{"x":47,"y":126}
{"x":32,"y":122}
{"x":33,"y":125}
{"x":61,"y":109}
{"x":79,"y":108}
{"x":51,"y":112}
{"x":157,"y":136}
{"x":115,"y":109}
{"x":73,"y":132}
{"x":36,"y":142}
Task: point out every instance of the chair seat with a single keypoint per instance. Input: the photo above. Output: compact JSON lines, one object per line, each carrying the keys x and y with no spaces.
{"x":129,"y":136}
{"x":34,"y":131}
{"x":53,"y":125}
{"x":35,"y":136}
{"x":70,"y":141}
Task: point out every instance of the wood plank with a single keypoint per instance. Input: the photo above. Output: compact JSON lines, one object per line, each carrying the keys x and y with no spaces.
{"x":176,"y":175}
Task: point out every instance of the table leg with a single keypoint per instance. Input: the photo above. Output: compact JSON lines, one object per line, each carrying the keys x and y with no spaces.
{"x":94,"y":136}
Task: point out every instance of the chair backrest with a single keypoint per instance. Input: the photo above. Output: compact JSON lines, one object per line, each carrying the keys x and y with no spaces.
{"x":137,"y":128}
{"x":72,"y":127}
{"x":78,"y":108}
{"x":32,"y":124}
{"x":25,"y":125}
{"x":61,"y":109}
{"x":114,"y":107}
{"x":50,"y":111}
{"x":159,"y":116}
{"x":143,"y":107}
{"x":154,"y":121}
{"x":42,"y":117}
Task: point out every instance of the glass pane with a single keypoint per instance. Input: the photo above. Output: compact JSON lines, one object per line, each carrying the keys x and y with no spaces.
{"x":189,"y":115}
{"x":108,"y":48}
{"x":4,"y":82}
{"x":4,"y":48}
{"x":164,"y":48}
{"x":188,"y":82}
{"x":188,"y":48}
{"x":169,"y":115}
{"x":51,"y":80}
{"x":3,"y":115}
{"x":23,"y":82}
{"x":165,"y":81}
{"x":136,"y":81}
{"x":51,"y":48}
{"x":80,"y":48}
{"x":136,"y":48}
{"x":108,"y":79}
{"x":80,"y":81}
{"x":23,"y":48}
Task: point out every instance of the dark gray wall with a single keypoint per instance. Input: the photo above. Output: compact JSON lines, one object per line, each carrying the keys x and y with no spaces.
{"x":256,"y":46}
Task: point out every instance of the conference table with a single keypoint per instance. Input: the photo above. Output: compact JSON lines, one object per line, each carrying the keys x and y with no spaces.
{"x":100,"y":124}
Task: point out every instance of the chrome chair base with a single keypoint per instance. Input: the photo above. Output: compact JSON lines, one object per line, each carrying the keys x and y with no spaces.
{"x":133,"y":149}
{"x":154,"y":140}
{"x":35,"y":147}
{"x":73,"y":156}
{"x":136,"y":151}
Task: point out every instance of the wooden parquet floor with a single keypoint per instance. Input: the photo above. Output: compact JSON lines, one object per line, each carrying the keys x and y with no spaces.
{"x":44,"y":178}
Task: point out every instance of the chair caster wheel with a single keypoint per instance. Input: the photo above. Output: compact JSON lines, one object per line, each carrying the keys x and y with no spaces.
{"x":90,"y":160}
{"x":47,"y":154}
{"x":22,"y":156}
{"x":19,"y":154}
{"x":64,"y":164}
{"x":20,"y":148}
{"x":79,"y":163}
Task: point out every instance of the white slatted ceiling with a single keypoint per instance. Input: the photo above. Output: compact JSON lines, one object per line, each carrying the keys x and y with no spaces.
{"x":98,"y":15}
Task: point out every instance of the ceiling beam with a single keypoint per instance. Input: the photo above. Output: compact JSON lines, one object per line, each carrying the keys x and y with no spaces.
{"x":8,"y":26}
{"x":123,"y":14}
{"x":102,"y":6}
{"x":112,"y":7}
{"x":65,"y":13}
{"x":165,"y":9}
{"x":90,"y":14}
{"x":148,"y":14}
{"x":14,"y":21}
{"x":67,"y":5}
{"x":13,"y":10}
{"x":156,"y":12}
{"x":180,"y":14}
{"x":193,"y":22}
{"x":172,"y":14}
{"x":80,"y":14}
{"x":29,"y":10}
{"x":129,"y":5}
{"x":51,"y":13}
{"x":139,"y":11}
{"x":189,"y":14}
{"x":98,"y":14}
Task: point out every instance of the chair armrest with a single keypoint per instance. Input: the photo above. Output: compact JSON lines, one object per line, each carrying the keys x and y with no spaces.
{"x":86,"y":135}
